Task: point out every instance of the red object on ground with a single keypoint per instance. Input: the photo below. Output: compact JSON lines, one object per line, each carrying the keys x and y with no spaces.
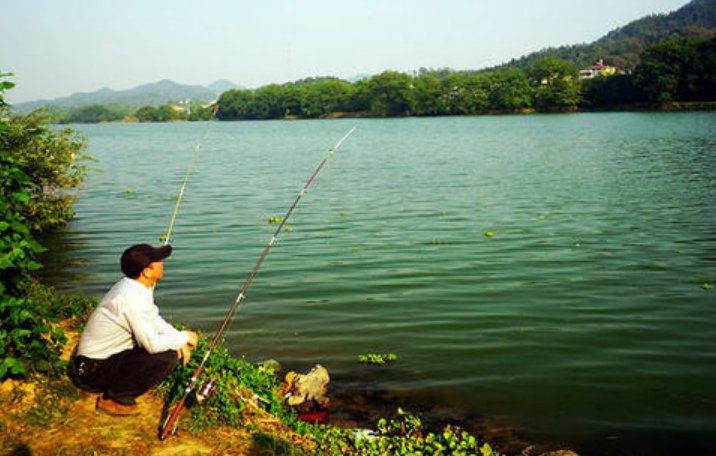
{"x":315,"y":417}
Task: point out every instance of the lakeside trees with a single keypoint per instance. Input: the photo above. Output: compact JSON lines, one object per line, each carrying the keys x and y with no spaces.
{"x":680,"y":69}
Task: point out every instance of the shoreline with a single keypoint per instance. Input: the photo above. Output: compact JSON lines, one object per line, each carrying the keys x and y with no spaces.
{"x":676,"y":106}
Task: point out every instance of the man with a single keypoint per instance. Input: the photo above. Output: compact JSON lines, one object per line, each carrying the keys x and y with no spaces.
{"x":126,"y":347}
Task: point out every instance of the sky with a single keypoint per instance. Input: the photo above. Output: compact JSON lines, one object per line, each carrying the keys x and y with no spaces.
{"x":58,"y":47}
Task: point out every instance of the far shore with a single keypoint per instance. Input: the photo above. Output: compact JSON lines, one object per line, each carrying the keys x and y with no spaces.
{"x":675,"y":106}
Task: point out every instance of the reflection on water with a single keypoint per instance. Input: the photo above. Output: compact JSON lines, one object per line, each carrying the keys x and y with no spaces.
{"x":581,"y":320}
{"x":64,"y":263}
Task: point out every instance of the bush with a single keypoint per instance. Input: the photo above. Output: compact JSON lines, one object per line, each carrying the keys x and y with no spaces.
{"x":51,"y":161}
{"x":37,"y":167}
{"x":28,"y":340}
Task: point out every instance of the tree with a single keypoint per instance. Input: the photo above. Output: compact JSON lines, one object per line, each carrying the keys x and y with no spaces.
{"x":467,"y":93}
{"x":361,"y":98}
{"x":556,"y":83}
{"x":323,"y":97}
{"x":92,"y":114}
{"x":235,"y":104}
{"x":661,"y":73}
{"x":198,"y":112}
{"x":429,"y":97}
{"x":292,"y":99}
{"x":678,"y":69}
{"x":510,"y":90}
{"x":146,"y":114}
{"x":610,"y":91}
{"x":390,"y":93}
{"x":266,"y":103}
{"x":51,"y":160}
{"x":166,"y":113}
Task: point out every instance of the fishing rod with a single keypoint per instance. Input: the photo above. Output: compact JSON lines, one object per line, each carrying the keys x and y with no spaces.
{"x":166,"y":238}
{"x":167,"y":428}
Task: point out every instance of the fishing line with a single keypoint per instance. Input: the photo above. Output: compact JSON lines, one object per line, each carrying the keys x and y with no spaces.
{"x":167,"y":428}
{"x":167,"y":237}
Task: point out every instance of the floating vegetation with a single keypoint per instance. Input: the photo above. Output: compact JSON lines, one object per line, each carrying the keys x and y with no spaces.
{"x":542,"y":217}
{"x":437,"y":242}
{"x":354,"y":249}
{"x":129,"y":193}
{"x":377,"y":359}
{"x":288,"y":229}
{"x":163,"y":238}
{"x":274,"y":220}
{"x":174,"y":197}
{"x":707,"y":286}
{"x":489,"y":234}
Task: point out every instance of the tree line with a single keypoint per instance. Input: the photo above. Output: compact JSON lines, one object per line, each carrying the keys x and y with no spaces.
{"x":97,"y":113}
{"x":679,"y":69}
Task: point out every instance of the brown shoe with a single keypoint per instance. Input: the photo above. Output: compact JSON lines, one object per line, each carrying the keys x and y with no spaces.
{"x":115,"y":408}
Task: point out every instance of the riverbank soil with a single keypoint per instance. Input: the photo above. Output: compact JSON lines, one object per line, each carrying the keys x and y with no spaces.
{"x":45,"y":416}
{"x":53,"y":417}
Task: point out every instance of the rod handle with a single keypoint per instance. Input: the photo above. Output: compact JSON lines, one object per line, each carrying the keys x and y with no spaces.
{"x":167,"y":428}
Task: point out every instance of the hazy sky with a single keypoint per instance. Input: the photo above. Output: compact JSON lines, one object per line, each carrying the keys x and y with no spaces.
{"x":58,"y":47}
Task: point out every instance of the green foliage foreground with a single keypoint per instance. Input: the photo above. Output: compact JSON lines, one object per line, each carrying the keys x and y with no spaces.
{"x":38,"y":167}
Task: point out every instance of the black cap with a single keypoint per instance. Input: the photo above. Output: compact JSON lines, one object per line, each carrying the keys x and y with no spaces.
{"x":139,"y":256}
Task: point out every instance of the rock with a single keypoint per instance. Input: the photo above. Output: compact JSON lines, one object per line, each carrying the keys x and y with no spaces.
{"x":302,"y":388}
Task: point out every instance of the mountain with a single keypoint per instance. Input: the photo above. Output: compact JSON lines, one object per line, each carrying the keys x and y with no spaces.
{"x":158,"y":93}
{"x":622,"y":47}
{"x":222,"y":85}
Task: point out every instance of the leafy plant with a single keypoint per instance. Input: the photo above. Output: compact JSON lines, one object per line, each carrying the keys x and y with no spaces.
{"x":52,"y":163}
{"x":403,"y":435}
{"x":236,"y":382}
{"x":36,"y":162}
{"x":27,"y":337}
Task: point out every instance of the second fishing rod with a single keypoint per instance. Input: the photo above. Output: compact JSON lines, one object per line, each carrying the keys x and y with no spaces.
{"x":167,"y":428}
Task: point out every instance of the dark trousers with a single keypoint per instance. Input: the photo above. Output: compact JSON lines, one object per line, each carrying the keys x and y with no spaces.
{"x":123,"y":376}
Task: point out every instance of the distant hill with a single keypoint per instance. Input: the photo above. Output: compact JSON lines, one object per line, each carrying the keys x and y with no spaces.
{"x":221,"y":86}
{"x":622,"y":47}
{"x":158,"y":93}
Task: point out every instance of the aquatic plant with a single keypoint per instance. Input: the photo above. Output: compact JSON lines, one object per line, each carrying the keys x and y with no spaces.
{"x":378,"y":359}
{"x":274,"y":220}
{"x":489,"y":234}
{"x":129,"y":193}
{"x":403,"y":435}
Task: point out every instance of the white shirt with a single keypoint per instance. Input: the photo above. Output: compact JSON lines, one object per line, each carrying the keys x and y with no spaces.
{"x":127,"y":317}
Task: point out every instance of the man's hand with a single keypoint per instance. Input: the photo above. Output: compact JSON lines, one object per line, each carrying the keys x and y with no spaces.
{"x":184,"y":353}
{"x":193,"y":339}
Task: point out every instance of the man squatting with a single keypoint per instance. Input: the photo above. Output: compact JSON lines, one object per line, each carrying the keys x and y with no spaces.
{"x":127,"y":347}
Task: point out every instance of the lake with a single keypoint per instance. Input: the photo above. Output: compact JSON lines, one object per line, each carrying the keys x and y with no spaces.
{"x":581,"y":322}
